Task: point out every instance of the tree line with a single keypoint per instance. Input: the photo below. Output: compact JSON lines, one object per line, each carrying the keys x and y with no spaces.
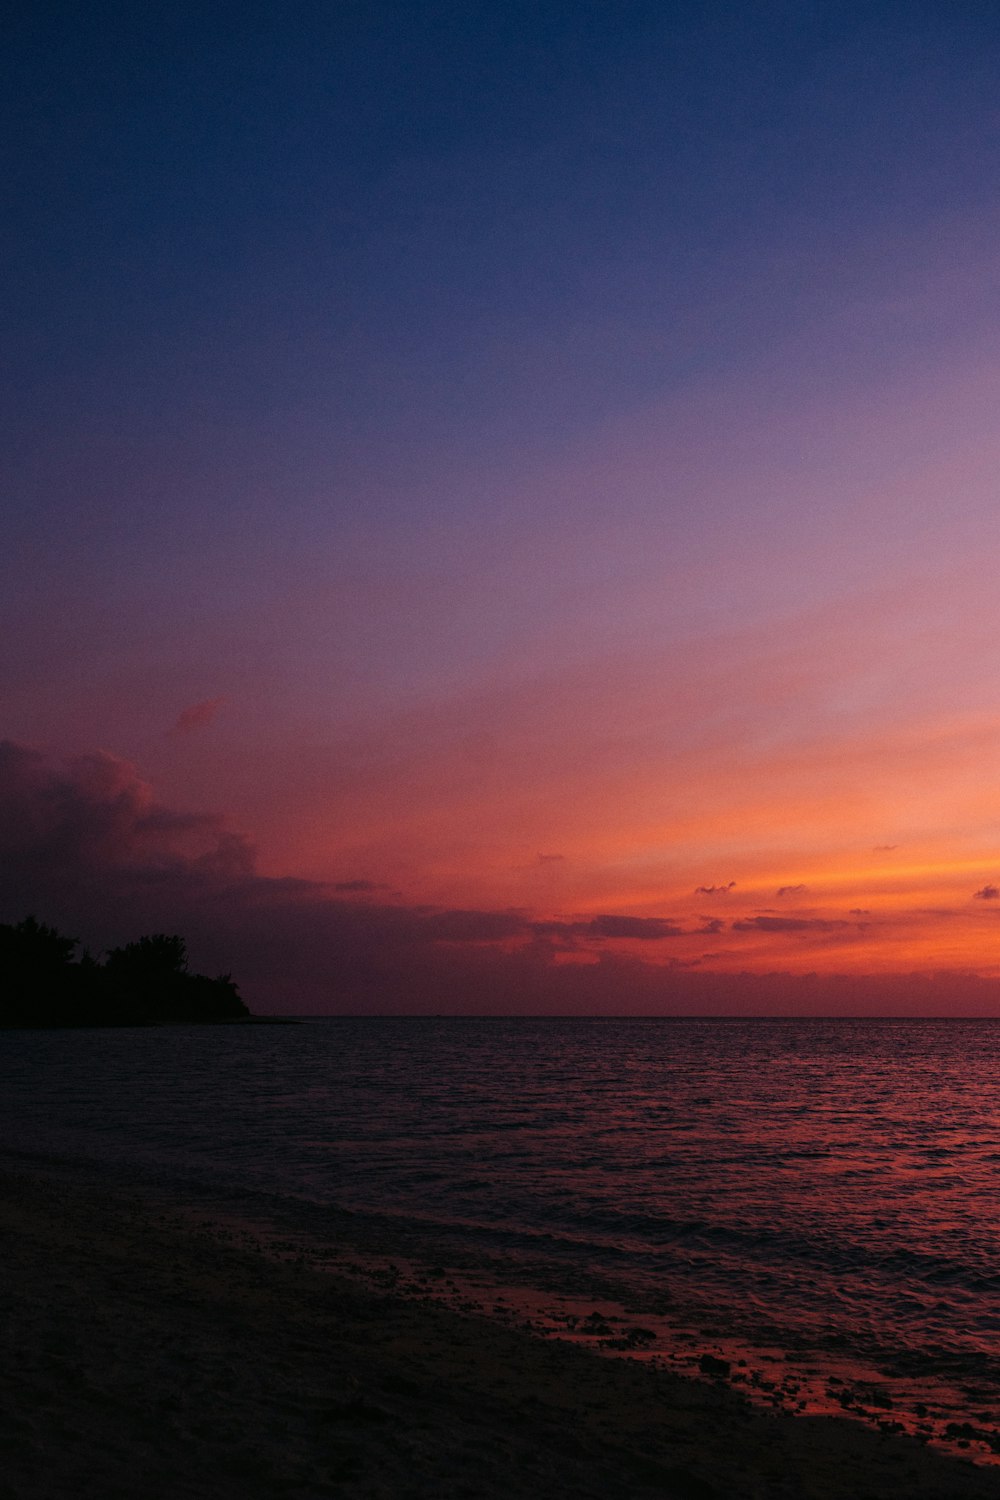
{"x":144,"y":983}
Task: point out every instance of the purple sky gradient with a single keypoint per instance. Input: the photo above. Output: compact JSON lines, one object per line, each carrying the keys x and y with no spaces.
{"x":442,"y":438}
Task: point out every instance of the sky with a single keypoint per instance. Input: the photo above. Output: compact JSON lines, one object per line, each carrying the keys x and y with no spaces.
{"x":501,"y":500}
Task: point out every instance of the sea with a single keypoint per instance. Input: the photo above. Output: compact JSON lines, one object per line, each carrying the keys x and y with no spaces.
{"x":814,"y":1196}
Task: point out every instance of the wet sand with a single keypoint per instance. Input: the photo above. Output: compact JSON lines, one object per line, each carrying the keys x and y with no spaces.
{"x":145,"y":1355}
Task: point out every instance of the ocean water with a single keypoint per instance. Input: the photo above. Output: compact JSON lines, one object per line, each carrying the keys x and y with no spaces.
{"x":826,"y":1187}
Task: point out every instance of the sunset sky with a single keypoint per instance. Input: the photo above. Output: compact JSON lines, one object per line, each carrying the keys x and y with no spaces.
{"x":502,"y":500}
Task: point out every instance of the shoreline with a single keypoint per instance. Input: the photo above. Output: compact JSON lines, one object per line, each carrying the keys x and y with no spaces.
{"x":154,"y":1347}
{"x":139,"y":1025}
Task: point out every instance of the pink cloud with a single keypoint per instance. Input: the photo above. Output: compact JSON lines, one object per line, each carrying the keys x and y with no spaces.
{"x":198,"y":715}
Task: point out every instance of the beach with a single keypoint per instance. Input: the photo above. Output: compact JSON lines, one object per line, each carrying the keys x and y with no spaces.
{"x":150,"y":1348}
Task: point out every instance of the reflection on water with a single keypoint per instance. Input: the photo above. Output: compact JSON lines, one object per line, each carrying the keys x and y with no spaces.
{"x":827,"y":1185}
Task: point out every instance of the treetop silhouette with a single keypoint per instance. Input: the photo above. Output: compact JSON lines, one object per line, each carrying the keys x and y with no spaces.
{"x":146,"y":982}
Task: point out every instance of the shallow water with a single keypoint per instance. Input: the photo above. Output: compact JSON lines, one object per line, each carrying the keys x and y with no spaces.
{"x":829,"y":1186}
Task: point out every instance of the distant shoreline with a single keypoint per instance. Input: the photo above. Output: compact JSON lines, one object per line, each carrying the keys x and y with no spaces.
{"x":162,"y":1025}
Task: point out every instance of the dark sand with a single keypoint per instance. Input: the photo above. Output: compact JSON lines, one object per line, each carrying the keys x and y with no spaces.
{"x":144,"y":1357}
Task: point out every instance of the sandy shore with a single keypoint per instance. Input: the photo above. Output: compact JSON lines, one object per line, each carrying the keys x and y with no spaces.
{"x":142,"y":1356}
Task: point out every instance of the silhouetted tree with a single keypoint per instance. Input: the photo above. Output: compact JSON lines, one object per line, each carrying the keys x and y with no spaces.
{"x":140,"y":983}
{"x":156,"y":955}
{"x":31,"y":944}
{"x":36,"y":972}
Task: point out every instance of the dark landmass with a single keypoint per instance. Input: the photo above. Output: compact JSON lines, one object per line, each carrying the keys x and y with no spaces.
{"x":145,"y":983}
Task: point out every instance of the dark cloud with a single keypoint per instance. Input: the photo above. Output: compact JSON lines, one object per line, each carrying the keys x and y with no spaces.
{"x":859,"y":911}
{"x":884,"y":848}
{"x":988,"y":893}
{"x":646,"y":929}
{"x":198,"y":715}
{"x":96,"y":814}
{"x":87,"y":845}
{"x":541,"y":862}
{"x":714,"y":890}
{"x":474,"y":926}
{"x":603,"y":928}
{"x":790,"y":890}
{"x":789,"y":924}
